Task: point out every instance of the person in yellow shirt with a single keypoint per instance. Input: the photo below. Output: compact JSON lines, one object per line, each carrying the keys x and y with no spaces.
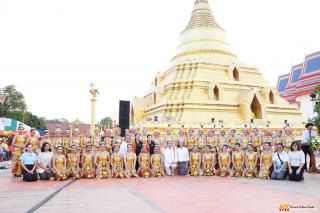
{"x":4,"y":149}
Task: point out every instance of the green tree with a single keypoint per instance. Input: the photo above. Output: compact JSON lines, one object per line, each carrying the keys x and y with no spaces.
{"x":76,"y":122}
{"x":105,"y":122}
{"x":33,"y":121}
{"x":14,"y":103}
{"x":317,"y":108}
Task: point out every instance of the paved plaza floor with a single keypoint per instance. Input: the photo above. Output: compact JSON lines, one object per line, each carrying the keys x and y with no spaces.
{"x":168,"y":194}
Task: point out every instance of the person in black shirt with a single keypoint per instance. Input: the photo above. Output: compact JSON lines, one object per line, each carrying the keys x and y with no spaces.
{"x":138,"y":146}
{"x":151,"y":143}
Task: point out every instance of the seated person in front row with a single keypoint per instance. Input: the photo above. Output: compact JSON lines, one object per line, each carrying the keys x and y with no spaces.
{"x":102,"y":162}
{"x":265,"y":161}
{"x":29,"y":164}
{"x":224,"y":162}
{"x":130,"y":162}
{"x":144,"y":163}
{"x":59,"y":165}
{"x":157,"y":163}
{"x":208,"y":162}
{"x":250,"y":162}
{"x":280,"y":163}
{"x":117,"y":163}
{"x":237,"y":161}
{"x":88,"y":171}
{"x":195,"y":162}
{"x":296,"y":162}
{"x":73,"y":162}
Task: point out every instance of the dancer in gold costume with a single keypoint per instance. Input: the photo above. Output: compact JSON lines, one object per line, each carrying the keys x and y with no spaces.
{"x":256,"y":141}
{"x":191,"y":140}
{"x":88,"y":170}
{"x":117,"y":139}
{"x":108,"y":141}
{"x":84,"y":141}
{"x":237,"y":161}
{"x":267,"y":136}
{"x":169,"y":134}
{"x":232,"y":139}
{"x":181,"y":137}
{"x":195,"y":162}
{"x":66,"y":142}
{"x":245,"y":140}
{"x":144,"y":163}
{"x":208,"y":162}
{"x":18,"y":142}
{"x":59,"y":165}
{"x":250,"y":163}
{"x":278,"y":139}
{"x":33,"y":139}
{"x":75,"y":139}
{"x":117,"y":163}
{"x":156,"y":135}
{"x":212,"y":141}
{"x":46,"y":139}
{"x":201,"y":140}
{"x":265,"y":161}
{"x":144,"y":136}
{"x":288,"y":139}
{"x":222,"y":140}
{"x":57,"y":140}
{"x":157,"y":163}
{"x":102,"y":162}
{"x":224,"y":162}
{"x":73,"y":163}
{"x":96,"y":140}
{"x":130,"y":162}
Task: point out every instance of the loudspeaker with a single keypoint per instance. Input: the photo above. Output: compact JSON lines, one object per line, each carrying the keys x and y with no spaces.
{"x":124,"y":116}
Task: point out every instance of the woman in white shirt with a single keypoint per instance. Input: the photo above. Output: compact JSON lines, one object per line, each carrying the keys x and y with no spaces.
{"x":296,"y":162}
{"x":45,"y":162}
{"x":182,"y":157}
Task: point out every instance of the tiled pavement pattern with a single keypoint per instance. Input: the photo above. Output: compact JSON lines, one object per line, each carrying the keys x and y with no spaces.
{"x":169,"y":194}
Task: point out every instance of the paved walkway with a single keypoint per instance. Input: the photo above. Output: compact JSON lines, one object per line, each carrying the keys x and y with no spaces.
{"x":169,"y":194}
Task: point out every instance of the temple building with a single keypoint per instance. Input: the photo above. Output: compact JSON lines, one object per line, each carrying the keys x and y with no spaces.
{"x":206,"y":80}
{"x":296,"y":86}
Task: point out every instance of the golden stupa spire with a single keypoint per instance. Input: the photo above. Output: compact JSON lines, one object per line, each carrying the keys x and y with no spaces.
{"x":202,"y":16}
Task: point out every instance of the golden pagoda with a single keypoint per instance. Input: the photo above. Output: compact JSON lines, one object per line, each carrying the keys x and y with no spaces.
{"x":206,"y":80}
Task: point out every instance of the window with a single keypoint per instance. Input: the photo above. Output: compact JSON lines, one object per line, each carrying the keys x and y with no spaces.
{"x":216,"y":93}
{"x":235,"y":74}
{"x":271,"y":97}
{"x":256,"y":108}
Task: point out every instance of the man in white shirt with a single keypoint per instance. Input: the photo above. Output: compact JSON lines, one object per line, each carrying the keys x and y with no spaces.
{"x":183,"y":158}
{"x":124,"y":145}
{"x":307,"y":135}
{"x":170,"y":158}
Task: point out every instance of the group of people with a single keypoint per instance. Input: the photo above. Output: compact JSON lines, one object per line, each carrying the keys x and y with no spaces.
{"x":139,"y":154}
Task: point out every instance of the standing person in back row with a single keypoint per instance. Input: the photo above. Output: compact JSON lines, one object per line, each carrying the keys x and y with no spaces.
{"x":307,"y":135}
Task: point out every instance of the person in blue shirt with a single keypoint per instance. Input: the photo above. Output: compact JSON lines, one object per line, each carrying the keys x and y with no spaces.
{"x":29,"y":164}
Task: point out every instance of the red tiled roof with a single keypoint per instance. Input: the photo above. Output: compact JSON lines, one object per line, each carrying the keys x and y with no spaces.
{"x":64,"y":126}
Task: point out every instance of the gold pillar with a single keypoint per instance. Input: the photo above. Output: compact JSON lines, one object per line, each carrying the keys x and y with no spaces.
{"x":94,"y":92}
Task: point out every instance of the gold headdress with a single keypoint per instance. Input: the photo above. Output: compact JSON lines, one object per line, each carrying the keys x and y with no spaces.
{"x":76,"y":130}
{"x":58,"y":130}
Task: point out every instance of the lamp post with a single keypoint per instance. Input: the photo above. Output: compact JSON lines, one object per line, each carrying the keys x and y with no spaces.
{"x":313,"y":97}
